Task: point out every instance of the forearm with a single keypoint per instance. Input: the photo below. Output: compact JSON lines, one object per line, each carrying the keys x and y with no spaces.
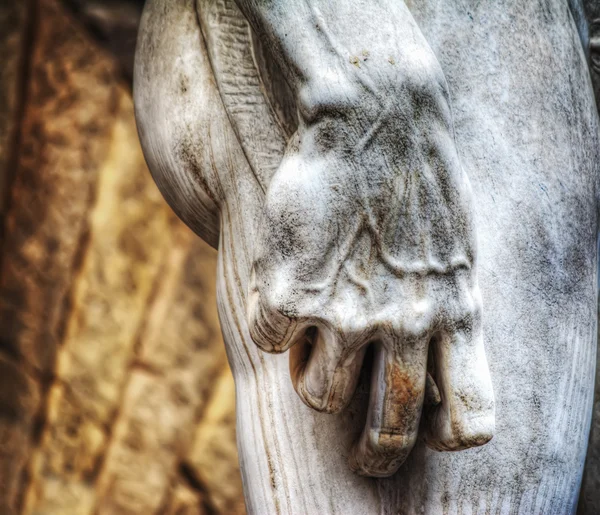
{"x":342,"y":57}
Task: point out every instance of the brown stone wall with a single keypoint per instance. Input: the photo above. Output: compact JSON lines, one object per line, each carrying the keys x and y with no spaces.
{"x":115,"y":394}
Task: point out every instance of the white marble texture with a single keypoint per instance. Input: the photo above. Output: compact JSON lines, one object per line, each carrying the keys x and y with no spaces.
{"x":499,"y":129}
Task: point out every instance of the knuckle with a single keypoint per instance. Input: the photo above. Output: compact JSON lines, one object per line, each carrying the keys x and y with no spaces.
{"x":418,"y":328}
{"x":390,"y":443}
{"x":274,"y":295}
{"x":269,"y":328}
{"x":462,"y":310}
{"x":354,"y":334}
{"x":413,"y":327}
{"x":383,"y":455}
{"x":468,"y":319}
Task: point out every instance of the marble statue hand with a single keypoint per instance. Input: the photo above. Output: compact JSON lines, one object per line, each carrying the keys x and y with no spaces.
{"x":363,"y":236}
{"x":368,"y":238}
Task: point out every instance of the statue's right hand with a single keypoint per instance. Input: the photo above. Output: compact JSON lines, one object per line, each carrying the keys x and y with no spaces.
{"x":368,"y":238}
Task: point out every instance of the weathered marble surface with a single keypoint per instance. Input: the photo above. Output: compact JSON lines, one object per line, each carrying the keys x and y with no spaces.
{"x":527,"y":135}
{"x":384,"y":253}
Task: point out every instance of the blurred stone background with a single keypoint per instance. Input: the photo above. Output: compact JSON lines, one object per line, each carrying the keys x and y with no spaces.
{"x":115,"y":393}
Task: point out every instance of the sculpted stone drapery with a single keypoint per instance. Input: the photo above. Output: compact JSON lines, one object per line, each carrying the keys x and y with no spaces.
{"x":362,"y":168}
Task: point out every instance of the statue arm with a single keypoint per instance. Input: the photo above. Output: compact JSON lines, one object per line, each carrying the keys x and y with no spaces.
{"x":367,"y":234}
{"x":363,"y":235}
{"x":342,"y":59}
